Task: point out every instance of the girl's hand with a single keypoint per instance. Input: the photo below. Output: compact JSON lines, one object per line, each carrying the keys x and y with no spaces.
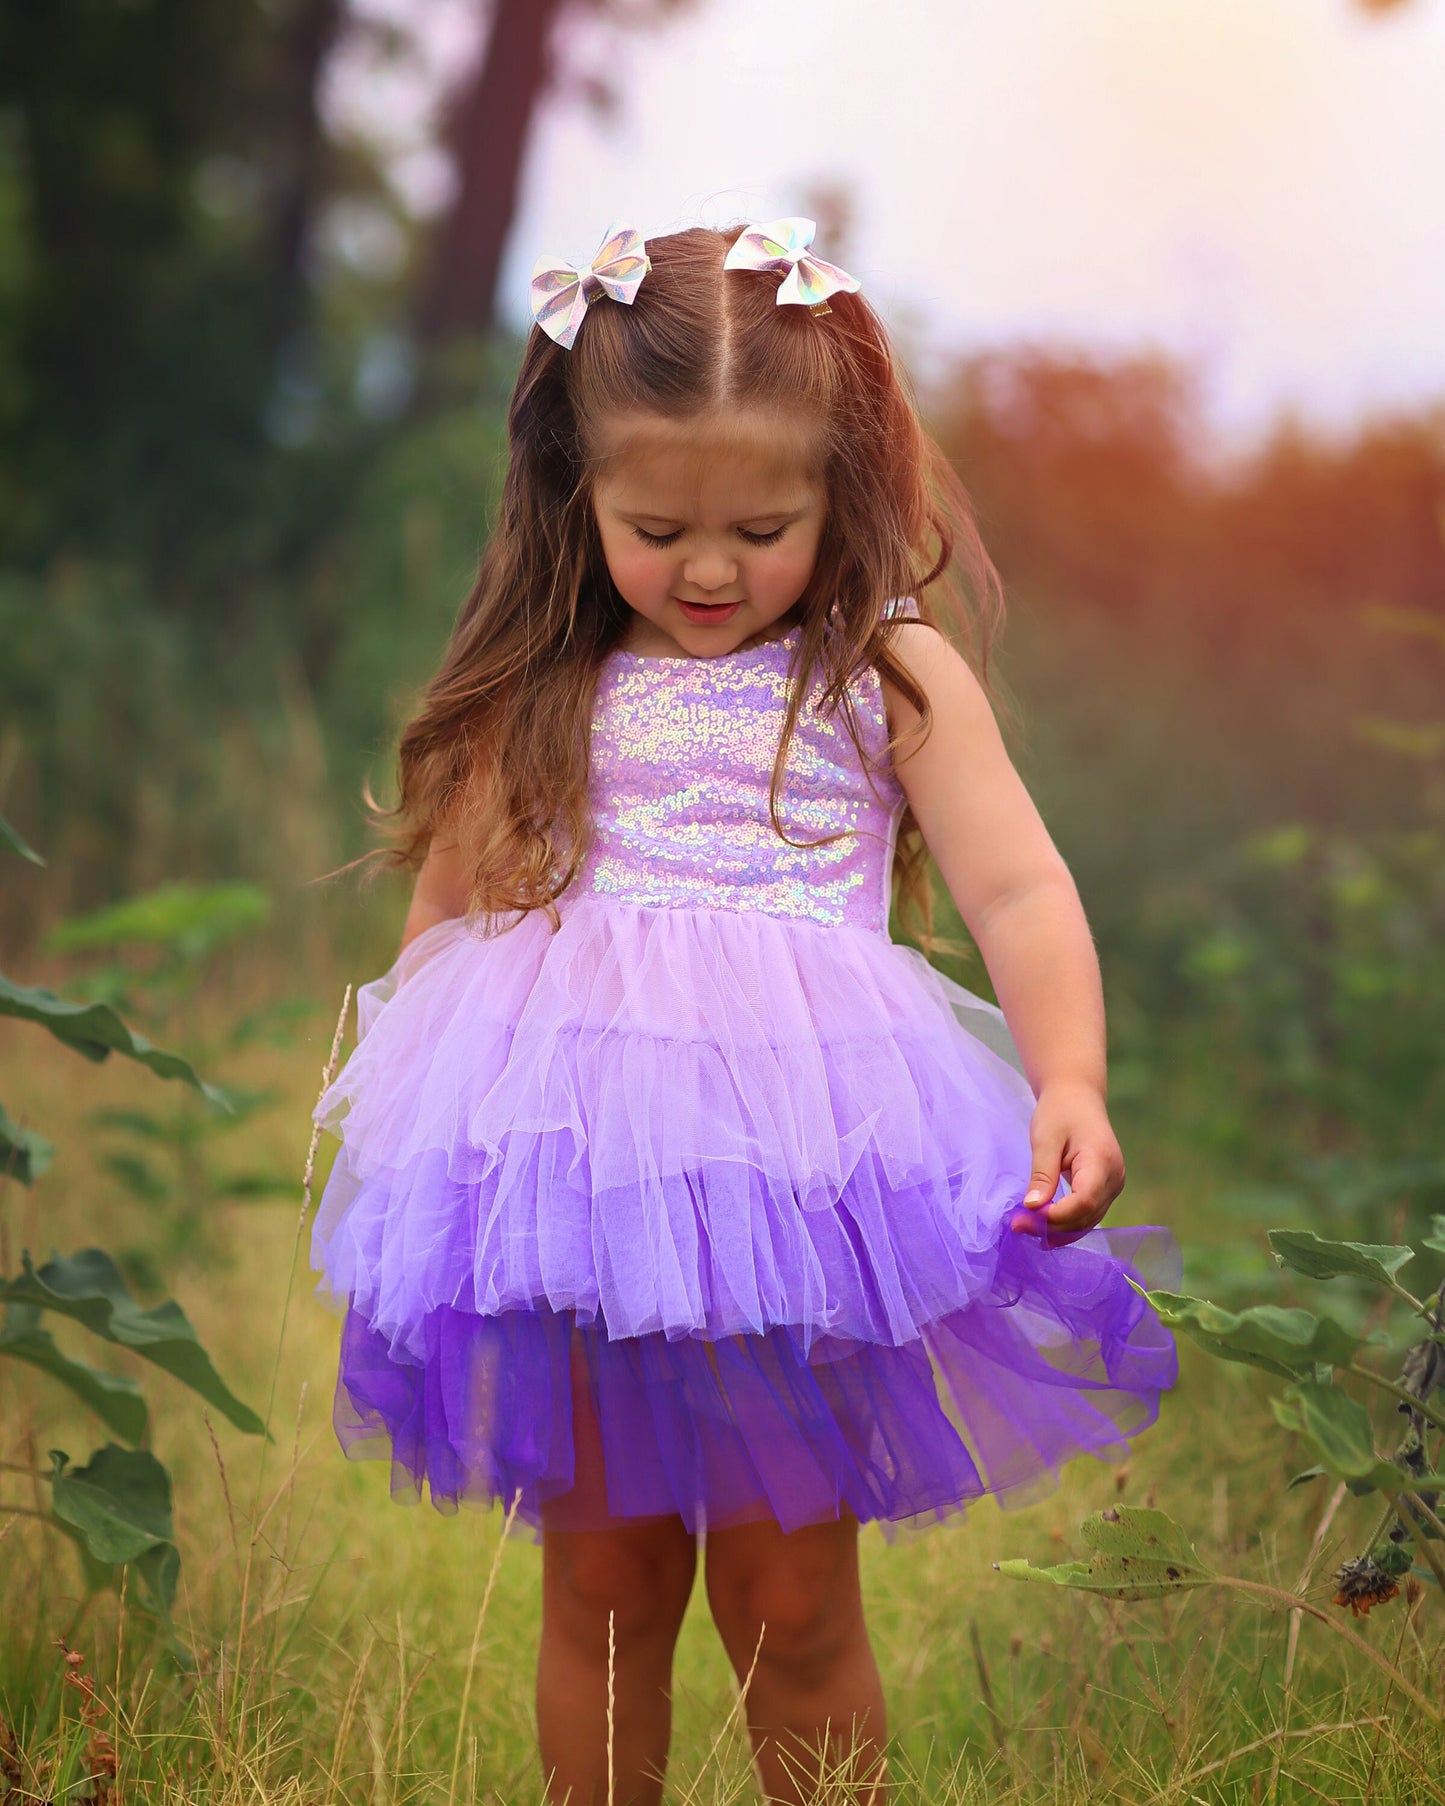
{"x":1070,"y":1134}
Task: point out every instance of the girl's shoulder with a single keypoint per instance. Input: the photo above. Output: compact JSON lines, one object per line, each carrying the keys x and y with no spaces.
{"x":935,"y":666}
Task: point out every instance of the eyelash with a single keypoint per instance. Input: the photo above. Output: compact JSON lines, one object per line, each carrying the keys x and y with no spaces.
{"x":668,"y":539}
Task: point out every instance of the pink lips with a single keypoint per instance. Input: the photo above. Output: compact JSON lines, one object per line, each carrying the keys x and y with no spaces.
{"x":709,"y":611}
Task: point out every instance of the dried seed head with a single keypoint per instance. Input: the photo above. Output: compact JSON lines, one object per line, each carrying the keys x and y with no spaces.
{"x":1363,"y":1583}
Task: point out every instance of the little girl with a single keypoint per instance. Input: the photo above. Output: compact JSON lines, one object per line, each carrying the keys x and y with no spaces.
{"x":675,"y":1199}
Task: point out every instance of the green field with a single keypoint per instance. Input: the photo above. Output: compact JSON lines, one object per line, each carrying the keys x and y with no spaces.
{"x":353,"y":1649}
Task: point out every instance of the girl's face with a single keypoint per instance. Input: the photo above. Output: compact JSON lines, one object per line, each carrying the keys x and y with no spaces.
{"x":710,"y":525}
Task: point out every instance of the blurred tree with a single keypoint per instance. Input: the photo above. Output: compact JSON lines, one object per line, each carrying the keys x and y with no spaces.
{"x":1082,"y":471}
{"x":162,"y":164}
{"x":490,"y":120}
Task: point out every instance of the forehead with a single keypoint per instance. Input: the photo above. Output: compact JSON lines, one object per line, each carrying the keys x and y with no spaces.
{"x":746,"y":461}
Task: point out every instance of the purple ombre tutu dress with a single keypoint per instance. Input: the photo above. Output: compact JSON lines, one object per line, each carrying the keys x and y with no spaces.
{"x":716,"y":1171}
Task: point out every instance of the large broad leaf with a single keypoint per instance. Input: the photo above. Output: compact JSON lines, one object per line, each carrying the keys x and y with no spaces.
{"x":11,"y":842}
{"x":1338,"y":1428}
{"x":1137,"y":1554}
{"x":1280,"y":1339}
{"x":1317,"y":1258}
{"x":94,"y":1029}
{"x":24,"y":1155}
{"x":119,"y":1506}
{"x":88,"y":1287}
{"x":114,"y":1397}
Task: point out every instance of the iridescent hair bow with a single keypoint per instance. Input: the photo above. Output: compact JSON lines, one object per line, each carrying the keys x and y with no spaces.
{"x":562,"y":293}
{"x":782,"y":244}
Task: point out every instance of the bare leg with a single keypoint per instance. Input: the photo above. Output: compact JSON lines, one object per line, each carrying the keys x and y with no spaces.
{"x":815,"y":1692}
{"x":638,"y":1572}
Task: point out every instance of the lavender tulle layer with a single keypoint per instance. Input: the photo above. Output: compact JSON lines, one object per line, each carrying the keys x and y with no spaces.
{"x":723,"y":1198}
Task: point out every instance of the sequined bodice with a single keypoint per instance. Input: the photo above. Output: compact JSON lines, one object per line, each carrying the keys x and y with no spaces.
{"x":681,"y":760}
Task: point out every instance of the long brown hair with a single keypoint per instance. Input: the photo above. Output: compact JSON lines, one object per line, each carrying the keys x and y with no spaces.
{"x":497,"y":756}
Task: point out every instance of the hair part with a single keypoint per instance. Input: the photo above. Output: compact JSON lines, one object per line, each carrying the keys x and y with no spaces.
{"x":496,"y":758}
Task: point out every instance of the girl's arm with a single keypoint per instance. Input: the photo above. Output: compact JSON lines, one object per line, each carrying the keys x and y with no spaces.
{"x":441,"y":890}
{"x":1019,"y":902}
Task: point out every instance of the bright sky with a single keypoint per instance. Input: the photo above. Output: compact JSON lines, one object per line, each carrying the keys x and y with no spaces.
{"x":1257,"y":183}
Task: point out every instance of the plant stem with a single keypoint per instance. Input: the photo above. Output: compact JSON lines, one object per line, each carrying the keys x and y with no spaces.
{"x":1401,"y":1392}
{"x":1422,"y":1543}
{"x":1422,"y":1308}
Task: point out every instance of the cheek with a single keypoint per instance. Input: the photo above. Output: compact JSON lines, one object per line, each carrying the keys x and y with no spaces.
{"x":792,"y":565}
{"x":635,"y":569}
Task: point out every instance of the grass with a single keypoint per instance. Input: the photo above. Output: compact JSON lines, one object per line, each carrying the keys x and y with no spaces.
{"x":348,"y":1649}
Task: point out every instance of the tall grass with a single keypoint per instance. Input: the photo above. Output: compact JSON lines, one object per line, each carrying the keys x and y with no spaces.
{"x":348,"y":1649}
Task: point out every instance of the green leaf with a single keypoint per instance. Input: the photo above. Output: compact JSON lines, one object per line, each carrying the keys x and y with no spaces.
{"x":94,"y":1029}
{"x":256,"y":1185}
{"x":114,"y":1397}
{"x":24,"y":1154}
{"x":1310,"y":1473}
{"x":273,"y":1022}
{"x":160,"y":1570}
{"x":1137,"y":1554}
{"x":189,"y":919}
{"x":12,"y":843}
{"x":1281,"y":1340}
{"x":119,"y":1505}
{"x":120,"y":1501}
{"x":1436,"y":1238}
{"x":140,"y":1180}
{"x":1317,"y":1258}
{"x":88,"y":1287}
{"x":1338,"y":1428}
{"x":135,"y":1122}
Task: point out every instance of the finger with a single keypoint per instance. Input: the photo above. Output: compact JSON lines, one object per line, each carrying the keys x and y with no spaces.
{"x":1044,"y":1179}
{"x":1091,"y":1191}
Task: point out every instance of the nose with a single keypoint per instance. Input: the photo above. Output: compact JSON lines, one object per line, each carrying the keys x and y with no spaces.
{"x":710,"y":570}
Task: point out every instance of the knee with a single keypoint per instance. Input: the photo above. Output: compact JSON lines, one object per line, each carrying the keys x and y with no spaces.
{"x":644,"y":1590}
{"x":807,"y":1616}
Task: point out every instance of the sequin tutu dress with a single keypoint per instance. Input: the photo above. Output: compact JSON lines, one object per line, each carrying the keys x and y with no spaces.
{"x":717,"y":1171}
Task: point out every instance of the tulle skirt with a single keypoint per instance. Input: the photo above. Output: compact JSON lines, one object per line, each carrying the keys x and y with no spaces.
{"x":725,"y":1198}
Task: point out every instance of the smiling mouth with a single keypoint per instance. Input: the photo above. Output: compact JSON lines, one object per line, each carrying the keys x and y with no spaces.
{"x":707,"y":611}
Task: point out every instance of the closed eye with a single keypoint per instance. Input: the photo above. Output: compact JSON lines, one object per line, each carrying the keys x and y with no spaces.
{"x":752,"y":539}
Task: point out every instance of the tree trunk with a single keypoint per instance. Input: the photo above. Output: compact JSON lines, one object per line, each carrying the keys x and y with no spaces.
{"x":297,"y":153}
{"x":490,"y":125}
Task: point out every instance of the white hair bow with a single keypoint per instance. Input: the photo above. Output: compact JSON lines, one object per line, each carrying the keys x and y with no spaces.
{"x":782,"y":244}
{"x":562,"y":293}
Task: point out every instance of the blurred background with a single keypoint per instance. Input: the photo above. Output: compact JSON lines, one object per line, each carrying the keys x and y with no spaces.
{"x":1170,"y":278}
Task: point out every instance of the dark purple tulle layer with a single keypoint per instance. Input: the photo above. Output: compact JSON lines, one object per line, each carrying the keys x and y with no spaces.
{"x":1058,"y":1357}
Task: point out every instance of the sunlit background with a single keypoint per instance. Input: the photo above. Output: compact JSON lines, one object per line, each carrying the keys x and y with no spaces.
{"x":1252,"y":184}
{"x":1170,"y":276}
